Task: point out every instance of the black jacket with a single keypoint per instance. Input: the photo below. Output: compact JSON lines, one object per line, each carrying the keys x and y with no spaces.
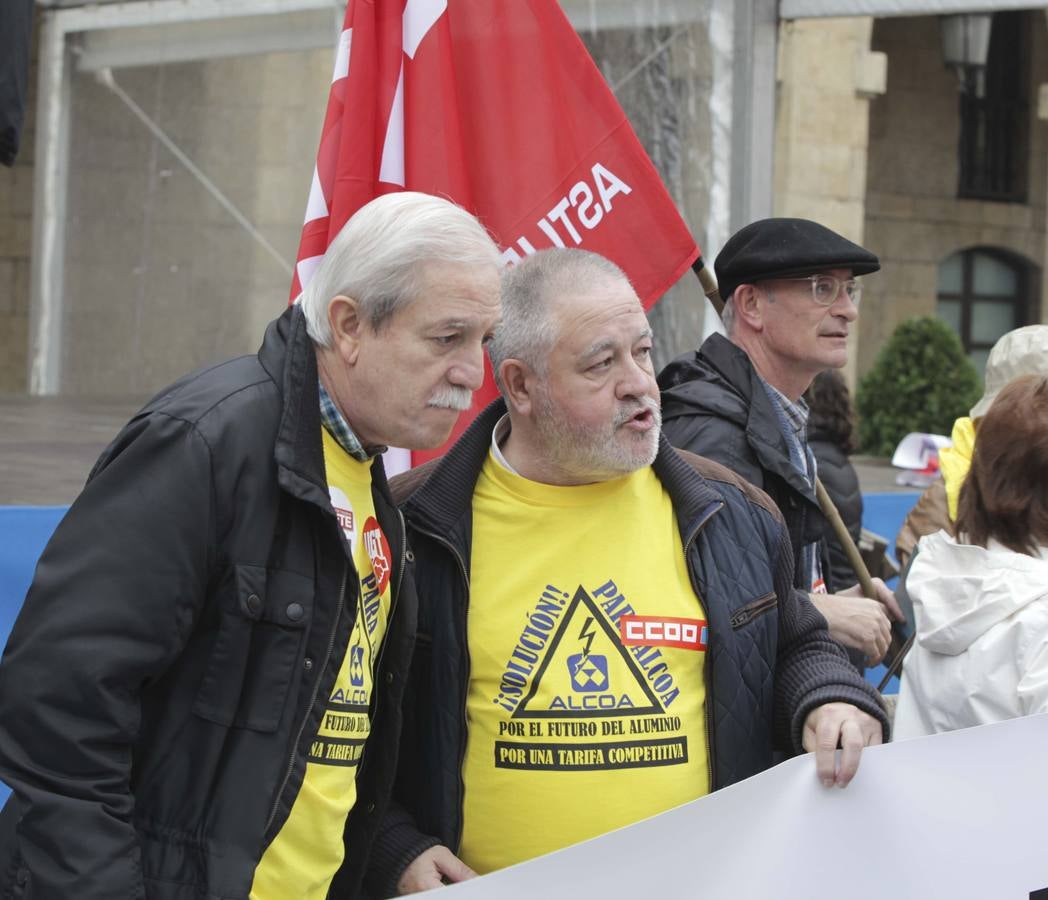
{"x":770,"y":660}
{"x":713,"y":404}
{"x":838,"y":476}
{"x":184,"y":628}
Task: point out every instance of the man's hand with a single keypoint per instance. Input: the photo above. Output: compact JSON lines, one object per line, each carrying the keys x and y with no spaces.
{"x":884,"y":596}
{"x":842,"y":724}
{"x":857,"y":622}
{"x":439,"y":866}
{"x":861,"y":622}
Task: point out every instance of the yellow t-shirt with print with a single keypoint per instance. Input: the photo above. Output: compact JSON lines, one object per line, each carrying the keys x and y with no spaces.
{"x":308,"y":850}
{"x":586,"y":699}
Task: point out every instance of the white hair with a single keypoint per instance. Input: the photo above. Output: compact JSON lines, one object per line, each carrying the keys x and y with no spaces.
{"x":527,"y":331}
{"x":378,"y":256}
{"x":728,"y":315}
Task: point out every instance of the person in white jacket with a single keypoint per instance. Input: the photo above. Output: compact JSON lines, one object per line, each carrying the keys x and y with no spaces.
{"x":981,"y":600}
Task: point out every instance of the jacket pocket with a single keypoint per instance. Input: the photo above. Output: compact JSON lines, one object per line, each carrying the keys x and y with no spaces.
{"x":745,"y":614}
{"x":254,"y":658}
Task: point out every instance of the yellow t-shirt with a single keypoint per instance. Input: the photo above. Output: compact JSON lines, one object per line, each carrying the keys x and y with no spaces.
{"x":586,"y":698}
{"x":308,"y":849}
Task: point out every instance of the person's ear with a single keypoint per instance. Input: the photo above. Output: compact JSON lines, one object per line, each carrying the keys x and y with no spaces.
{"x":749,"y":302}
{"x":347,"y":326}
{"x":518,"y":385}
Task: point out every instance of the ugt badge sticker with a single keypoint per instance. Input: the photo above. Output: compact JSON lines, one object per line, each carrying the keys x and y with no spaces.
{"x":377,"y":548}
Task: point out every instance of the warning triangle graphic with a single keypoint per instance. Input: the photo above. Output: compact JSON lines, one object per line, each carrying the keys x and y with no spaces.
{"x":586,"y":672}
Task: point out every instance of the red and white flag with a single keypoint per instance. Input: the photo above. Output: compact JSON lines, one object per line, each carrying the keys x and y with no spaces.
{"x":498,"y":106}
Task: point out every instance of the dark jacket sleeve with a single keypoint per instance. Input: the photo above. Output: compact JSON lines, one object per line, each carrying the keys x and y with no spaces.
{"x":111,"y":605}
{"x":811,"y":668}
{"x":397,"y":844}
{"x":400,"y":840}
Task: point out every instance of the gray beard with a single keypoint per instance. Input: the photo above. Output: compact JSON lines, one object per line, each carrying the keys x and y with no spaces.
{"x":601,"y":454}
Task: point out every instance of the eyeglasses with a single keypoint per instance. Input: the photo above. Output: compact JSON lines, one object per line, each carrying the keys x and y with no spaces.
{"x":825,"y":289}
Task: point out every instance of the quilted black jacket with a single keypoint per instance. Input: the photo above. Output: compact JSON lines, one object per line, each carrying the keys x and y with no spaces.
{"x":713,"y":404}
{"x":770,"y":660}
{"x":158,"y":694}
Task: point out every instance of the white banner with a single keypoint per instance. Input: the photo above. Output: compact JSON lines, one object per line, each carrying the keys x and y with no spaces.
{"x":958,"y":815}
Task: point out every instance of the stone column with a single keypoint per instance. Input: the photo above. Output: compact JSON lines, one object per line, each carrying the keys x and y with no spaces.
{"x":826,"y":77}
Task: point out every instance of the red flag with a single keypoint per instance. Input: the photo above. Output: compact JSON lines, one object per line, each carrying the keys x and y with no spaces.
{"x":499,"y":107}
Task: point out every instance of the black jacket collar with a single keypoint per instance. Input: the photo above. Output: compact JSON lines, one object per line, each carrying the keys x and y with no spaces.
{"x":289,"y":358}
{"x":719,"y":380}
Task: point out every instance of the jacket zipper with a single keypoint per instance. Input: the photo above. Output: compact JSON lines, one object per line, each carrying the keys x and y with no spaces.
{"x":465,"y":681}
{"x":751,"y":610}
{"x":312,"y":699}
{"x":707,"y":670}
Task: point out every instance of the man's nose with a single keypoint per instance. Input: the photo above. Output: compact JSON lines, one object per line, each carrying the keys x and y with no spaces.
{"x":468,"y":368}
{"x":636,"y":381}
{"x":844,"y":306}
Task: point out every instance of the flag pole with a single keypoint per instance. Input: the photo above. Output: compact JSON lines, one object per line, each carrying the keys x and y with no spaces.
{"x":709,"y":284}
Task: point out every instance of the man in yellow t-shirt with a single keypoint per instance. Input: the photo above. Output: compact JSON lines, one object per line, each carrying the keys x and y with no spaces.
{"x":201,"y":696}
{"x":607,"y":626}
{"x":398,"y":357}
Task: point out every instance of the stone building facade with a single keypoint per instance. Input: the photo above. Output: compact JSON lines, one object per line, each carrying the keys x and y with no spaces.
{"x":179,"y":184}
{"x":871,"y":131}
{"x":916,"y":216}
{"x":854,"y":121}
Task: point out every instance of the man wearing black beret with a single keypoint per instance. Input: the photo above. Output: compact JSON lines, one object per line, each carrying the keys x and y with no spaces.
{"x":791,"y":296}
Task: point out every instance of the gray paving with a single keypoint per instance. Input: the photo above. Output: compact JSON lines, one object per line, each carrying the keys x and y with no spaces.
{"x":877,"y":476}
{"x":48,"y":445}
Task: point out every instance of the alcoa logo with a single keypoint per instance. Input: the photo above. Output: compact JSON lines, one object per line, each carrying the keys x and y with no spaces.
{"x":663,"y":631}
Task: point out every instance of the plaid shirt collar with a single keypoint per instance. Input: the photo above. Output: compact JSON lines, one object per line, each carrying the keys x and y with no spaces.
{"x":339,"y":429}
{"x":796,"y":413}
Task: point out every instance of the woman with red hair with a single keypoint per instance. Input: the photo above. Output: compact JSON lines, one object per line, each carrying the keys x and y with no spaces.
{"x":981,"y":600}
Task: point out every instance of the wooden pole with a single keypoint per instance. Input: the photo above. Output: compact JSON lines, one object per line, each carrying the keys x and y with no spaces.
{"x":840,"y":531}
{"x":709,"y":284}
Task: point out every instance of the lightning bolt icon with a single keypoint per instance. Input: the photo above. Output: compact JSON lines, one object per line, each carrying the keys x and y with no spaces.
{"x":588,"y":632}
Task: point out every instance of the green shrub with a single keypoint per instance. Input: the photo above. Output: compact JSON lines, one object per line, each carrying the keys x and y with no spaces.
{"x":921,"y":381}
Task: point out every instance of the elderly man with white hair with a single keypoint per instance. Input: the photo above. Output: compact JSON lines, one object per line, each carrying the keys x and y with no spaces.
{"x":201,"y":696}
{"x":607,"y":626}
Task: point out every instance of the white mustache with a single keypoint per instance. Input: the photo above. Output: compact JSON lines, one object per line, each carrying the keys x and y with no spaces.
{"x":643,"y":404}
{"x":452,"y":397}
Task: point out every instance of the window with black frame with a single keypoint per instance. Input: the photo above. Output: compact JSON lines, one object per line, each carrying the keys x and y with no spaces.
{"x":994,"y":112}
{"x":982,"y":294}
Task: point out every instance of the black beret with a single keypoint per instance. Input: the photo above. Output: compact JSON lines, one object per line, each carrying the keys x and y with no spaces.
{"x":780,"y":248}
